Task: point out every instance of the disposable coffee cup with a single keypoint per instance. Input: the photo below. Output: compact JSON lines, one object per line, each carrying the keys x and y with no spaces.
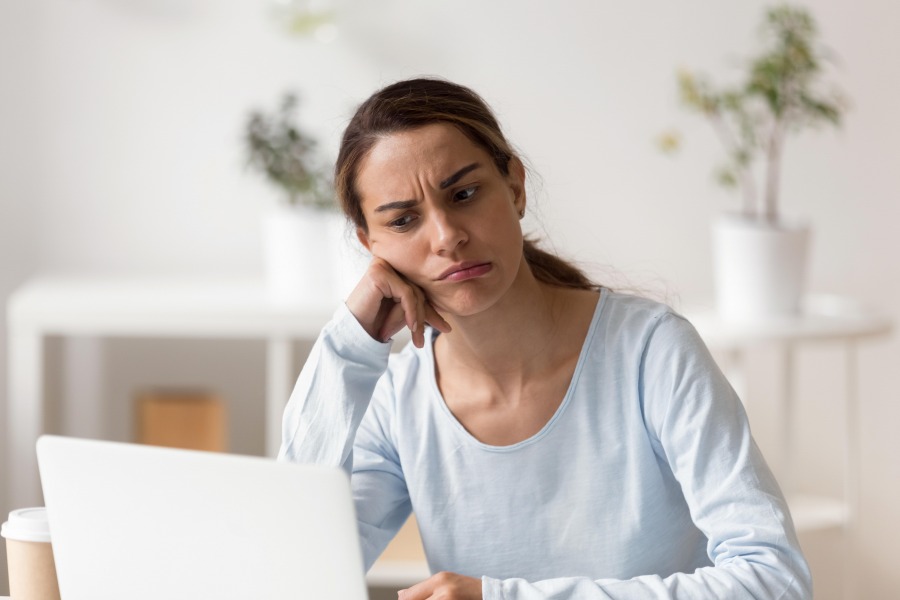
{"x":29,"y":556}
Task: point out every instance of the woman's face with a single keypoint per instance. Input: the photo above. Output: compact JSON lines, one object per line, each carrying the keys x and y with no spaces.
{"x":441,"y":213}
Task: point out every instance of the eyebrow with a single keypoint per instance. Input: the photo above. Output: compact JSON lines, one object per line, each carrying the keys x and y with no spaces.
{"x":405,"y":204}
{"x":458,"y":175}
{"x":396,"y":205}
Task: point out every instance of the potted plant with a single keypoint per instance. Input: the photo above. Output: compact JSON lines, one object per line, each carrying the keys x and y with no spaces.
{"x":759,"y":254}
{"x":300,"y":233}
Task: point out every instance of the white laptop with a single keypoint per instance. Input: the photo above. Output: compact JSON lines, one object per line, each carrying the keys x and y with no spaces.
{"x":146,"y":523}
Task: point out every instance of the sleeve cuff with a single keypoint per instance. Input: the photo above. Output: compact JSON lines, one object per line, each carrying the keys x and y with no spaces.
{"x":491,"y":589}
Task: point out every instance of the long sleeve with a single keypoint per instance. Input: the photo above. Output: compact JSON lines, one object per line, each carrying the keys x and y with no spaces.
{"x":328,"y":421}
{"x":699,"y":430}
{"x":332,"y":394}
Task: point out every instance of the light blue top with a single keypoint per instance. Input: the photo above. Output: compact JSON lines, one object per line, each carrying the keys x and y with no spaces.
{"x":646,"y":483}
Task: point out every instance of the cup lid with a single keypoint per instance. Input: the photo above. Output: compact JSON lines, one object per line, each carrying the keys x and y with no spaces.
{"x":27,"y":525}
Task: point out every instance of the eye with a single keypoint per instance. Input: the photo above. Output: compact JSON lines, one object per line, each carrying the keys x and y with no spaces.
{"x":465,"y":194}
{"x":402,"y":223}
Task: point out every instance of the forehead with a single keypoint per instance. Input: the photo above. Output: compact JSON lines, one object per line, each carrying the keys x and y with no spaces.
{"x":400,"y":159}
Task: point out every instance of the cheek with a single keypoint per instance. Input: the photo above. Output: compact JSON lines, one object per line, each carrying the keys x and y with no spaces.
{"x":508,"y":235}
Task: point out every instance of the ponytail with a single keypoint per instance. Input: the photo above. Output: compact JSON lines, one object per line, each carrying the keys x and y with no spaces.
{"x":551,"y":269}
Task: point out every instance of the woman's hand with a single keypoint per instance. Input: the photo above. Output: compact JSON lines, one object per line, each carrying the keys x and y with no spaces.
{"x":384,"y":302}
{"x":444,"y":586}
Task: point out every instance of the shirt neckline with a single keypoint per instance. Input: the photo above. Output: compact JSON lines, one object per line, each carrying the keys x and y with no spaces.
{"x":439,"y":397}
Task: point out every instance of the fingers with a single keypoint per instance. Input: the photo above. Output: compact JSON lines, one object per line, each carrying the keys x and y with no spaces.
{"x":384,"y":302}
{"x":419,"y":331}
{"x":444,"y":585}
{"x":412,"y":300}
{"x":394,"y":321}
{"x":434,"y":318}
{"x":420,"y":591}
{"x":425,"y":313}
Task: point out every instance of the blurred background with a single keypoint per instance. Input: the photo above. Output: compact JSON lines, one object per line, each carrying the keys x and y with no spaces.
{"x":121,"y":153}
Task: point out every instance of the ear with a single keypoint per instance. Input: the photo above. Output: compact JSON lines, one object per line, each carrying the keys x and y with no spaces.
{"x":517,"y":184}
{"x":363,"y":238}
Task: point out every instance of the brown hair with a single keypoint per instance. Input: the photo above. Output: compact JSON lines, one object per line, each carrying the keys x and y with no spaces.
{"x":414,"y":103}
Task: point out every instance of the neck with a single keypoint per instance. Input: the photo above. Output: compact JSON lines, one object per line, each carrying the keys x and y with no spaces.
{"x":512,"y":338}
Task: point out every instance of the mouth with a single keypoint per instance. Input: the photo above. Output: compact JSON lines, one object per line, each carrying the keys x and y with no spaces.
{"x":465,"y":270}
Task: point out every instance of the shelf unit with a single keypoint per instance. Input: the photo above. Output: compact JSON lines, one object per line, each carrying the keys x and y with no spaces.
{"x":823,"y":319}
{"x":143,"y":308}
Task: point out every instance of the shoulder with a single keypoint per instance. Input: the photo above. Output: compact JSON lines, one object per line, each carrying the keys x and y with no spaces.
{"x":633,"y":334}
{"x":635,"y":319}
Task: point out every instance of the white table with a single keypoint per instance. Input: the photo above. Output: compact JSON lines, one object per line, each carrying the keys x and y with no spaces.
{"x":109,"y":307}
{"x":824,"y":319}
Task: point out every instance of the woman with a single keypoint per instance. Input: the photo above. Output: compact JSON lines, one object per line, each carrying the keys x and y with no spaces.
{"x":555,"y":439}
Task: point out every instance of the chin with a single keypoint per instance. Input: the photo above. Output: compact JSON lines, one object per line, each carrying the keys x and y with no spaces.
{"x":464,"y":304}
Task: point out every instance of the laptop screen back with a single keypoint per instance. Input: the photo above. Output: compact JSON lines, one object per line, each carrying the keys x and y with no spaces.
{"x":147,"y":523}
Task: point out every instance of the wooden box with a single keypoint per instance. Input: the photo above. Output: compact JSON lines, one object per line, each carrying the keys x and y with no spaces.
{"x":191,"y":419}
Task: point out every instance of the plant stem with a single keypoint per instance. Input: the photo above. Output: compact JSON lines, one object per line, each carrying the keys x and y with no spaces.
{"x":773,"y":171}
{"x":748,"y":190}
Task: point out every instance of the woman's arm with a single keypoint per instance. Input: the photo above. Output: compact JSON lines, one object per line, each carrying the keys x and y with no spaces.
{"x":339,"y":411}
{"x":331,"y":420}
{"x":339,"y":377}
{"x":700,"y":430}
{"x":332,"y":394}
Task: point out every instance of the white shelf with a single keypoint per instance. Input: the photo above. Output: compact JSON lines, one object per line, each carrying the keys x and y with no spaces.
{"x":397,"y":573}
{"x":210,"y":308}
{"x":823,"y":317}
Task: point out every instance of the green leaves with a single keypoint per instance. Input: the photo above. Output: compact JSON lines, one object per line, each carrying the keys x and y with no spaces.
{"x":789,"y":66}
{"x":286,"y":156}
{"x":697,"y":93}
{"x":779,"y":95}
{"x":727,"y":176}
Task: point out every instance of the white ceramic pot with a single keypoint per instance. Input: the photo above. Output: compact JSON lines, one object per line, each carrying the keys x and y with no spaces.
{"x":312,"y":259}
{"x":296,"y":257}
{"x":759,"y":268}
{"x":349,"y":258}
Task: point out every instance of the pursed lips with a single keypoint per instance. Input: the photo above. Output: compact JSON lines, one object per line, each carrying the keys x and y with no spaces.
{"x":462,"y":268}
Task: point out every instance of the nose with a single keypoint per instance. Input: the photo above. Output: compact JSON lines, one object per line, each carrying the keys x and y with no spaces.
{"x":447,"y":234}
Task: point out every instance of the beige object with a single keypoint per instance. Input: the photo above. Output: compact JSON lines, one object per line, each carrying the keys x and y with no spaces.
{"x":29,"y":555}
{"x":406,"y":545}
{"x":195,"y":420}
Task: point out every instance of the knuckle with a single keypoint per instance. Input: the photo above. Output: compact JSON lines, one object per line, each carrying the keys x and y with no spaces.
{"x":444,"y":577}
{"x":412,"y":293}
{"x":377,"y":267}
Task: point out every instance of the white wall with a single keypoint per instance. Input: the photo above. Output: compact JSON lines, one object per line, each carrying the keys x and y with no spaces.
{"x":16,"y":249}
{"x":17,"y":148}
{"x":120,"y":152}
